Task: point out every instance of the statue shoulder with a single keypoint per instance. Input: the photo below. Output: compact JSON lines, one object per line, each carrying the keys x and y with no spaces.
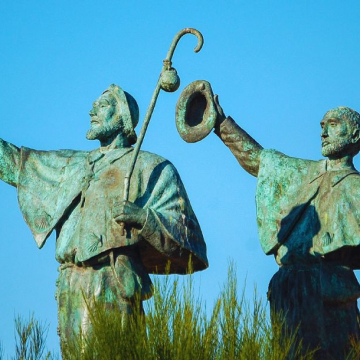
{"x":273,"y":161}
{"x":53,"y":154}
{"x":154,"y":166}
{"x":59,"y":164}
{"x":150,"y":159}
{"x":350,"y":179}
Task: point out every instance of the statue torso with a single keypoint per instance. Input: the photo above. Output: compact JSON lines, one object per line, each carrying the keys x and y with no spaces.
{"x":90,"y":228}
{"x":306,"y":213}
{"x":327,"y":223}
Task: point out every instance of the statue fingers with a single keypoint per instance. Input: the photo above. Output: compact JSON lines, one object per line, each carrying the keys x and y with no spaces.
{"x":118,"y":210}
{"x":125,"y":218}
{"x":123,"y":207}
{"x":218,"y":107}
{"x":131,"y":217}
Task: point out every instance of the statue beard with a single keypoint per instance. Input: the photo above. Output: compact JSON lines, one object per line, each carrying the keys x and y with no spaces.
{"x":99,"y":132}
{"x":103,"y":131}
{"x":339,"y":147}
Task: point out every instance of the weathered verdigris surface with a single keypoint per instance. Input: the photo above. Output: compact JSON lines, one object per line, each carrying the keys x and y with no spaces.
{"x":80,"y":196}
{"x":308,"y":215}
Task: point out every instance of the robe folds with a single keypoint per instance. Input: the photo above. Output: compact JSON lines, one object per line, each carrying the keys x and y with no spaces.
{"x":73,"y":192}
{"x":297,"y":197}
{"x":309,"y":218}
{"x":301,"y":207}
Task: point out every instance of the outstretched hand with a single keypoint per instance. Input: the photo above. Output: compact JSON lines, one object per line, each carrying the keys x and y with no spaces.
{"x":221,"y":115}
{"x":130,"y":214}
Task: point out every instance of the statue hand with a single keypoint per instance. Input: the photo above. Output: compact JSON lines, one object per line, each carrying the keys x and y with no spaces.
{"x":130,"y":214}
{"x":221,"y":116}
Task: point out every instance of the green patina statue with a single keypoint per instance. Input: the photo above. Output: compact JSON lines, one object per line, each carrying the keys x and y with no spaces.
{"x":79,"y":194}
{"x":308,"y":215}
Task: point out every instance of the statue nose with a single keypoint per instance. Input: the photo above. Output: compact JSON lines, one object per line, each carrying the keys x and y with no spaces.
{"x":92,"y":112}
{"x":324,"y":132}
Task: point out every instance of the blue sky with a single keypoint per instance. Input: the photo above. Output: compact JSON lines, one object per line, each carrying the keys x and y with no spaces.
{"x":277,"y":66}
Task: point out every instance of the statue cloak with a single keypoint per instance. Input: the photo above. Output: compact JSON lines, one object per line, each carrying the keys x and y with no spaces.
{"x":288,"y":186}
{"x":73,"y":192}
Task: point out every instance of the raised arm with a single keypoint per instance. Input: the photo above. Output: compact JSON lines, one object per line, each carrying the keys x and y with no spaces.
{"x":9,"y":162}
{"x":245,"y":149}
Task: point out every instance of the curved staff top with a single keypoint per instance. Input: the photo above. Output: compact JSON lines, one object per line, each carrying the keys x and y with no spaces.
{"x":169,"y":81}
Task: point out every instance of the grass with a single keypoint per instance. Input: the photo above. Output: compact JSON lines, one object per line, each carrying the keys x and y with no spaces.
{"x":177,"y":326}
{"x":30,"y":340}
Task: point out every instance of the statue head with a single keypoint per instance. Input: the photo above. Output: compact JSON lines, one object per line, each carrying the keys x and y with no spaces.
{"x":114,"y":113}
{"x":340,"y":133}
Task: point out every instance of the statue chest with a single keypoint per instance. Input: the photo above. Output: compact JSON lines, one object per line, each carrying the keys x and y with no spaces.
{"x":91,"y":229}
{"x":328,"y":223}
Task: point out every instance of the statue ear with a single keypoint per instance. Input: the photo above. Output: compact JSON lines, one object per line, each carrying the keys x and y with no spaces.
{"x":355,"y":136}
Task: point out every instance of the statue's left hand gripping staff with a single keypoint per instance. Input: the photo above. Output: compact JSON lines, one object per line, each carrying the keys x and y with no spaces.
{"x":169,"y":81}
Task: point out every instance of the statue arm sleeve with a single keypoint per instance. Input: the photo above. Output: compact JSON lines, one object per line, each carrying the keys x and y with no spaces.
{"x":171,"y":226}
{"x":9,"y":162}
{"x":245,"y":149}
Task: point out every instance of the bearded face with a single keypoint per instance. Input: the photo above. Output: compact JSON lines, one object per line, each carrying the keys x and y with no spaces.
{"x":104,"y":121}
{"x":336,"y":148}
{"x":337,"y":136}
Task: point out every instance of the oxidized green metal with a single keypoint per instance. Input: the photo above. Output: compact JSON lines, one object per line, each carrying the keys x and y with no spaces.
{"x":80,"y":195}
{"x":308,"y":215}
{"x":195,"y":111}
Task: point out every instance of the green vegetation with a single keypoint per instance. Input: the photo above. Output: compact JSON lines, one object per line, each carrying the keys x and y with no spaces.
{"x":177,"y":326}
{"x":30,"y":339}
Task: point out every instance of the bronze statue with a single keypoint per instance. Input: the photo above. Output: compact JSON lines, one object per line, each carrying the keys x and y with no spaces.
{"x":79,"y":195}
{"x":308,"y":215}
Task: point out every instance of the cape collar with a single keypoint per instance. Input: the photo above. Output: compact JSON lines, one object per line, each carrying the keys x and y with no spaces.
{"x":338,"y":175}
{"x":111,"y":155}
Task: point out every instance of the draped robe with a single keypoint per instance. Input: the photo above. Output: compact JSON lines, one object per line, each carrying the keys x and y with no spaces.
{"x":309,"y":219}
{"x":74,"y":193}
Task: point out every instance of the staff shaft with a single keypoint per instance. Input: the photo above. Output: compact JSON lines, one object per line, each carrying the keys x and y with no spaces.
{"x":166,"y":67}
{"x":140,"y":140}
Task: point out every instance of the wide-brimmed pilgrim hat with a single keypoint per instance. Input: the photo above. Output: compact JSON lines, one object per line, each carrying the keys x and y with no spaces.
{"x":195,"y":111}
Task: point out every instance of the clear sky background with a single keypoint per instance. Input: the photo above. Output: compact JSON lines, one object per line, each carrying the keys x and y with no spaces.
{"x":277,"y":66}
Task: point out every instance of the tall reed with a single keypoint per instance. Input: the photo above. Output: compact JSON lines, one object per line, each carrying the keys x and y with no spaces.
{"x":30,"y":340}
{"x":176,"y":326}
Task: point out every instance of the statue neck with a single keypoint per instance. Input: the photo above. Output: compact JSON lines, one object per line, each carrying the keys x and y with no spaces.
{"x":118,"y":141}
{"x":343,"y":163}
